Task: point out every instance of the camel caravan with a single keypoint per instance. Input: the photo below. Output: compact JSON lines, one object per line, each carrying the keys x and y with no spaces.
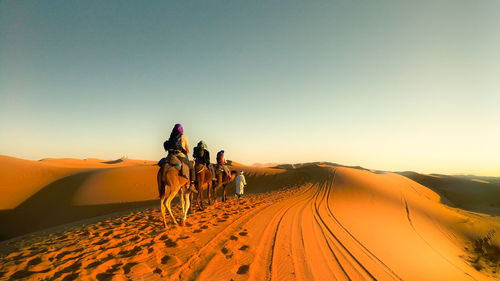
{"x":178,"y":174}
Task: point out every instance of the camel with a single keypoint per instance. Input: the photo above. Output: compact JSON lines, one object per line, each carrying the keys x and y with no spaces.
{"x":169,"y":184}
{"x":222,"y":180}
{"x":204,"y":180}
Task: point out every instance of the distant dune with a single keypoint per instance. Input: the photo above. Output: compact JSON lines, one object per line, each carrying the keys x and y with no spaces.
{"x":264,"y":165}
{"x":466,"y":193}
{"x":314,"y":221}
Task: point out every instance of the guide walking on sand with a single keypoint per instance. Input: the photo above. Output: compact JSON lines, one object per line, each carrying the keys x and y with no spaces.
{"x":240,"y":184}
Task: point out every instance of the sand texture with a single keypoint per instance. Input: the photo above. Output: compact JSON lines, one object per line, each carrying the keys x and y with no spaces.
{"x":316,"y":222}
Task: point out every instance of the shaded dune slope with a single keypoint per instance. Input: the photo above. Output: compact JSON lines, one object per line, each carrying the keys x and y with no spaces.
{"x":465,"y":193}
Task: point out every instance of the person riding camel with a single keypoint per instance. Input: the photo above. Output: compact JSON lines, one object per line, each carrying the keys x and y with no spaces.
{"x":221,"y":162}
{"x":178,"y":144}
{"x":202,"y":156}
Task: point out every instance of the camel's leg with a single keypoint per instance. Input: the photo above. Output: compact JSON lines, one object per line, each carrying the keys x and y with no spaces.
{"x":190,"y":196}
{"x":200,"y":199}
{"x":219,"y":184}
{"x":188,"y":203}
{"x":183,"y":204}
{"x":169,"y":207}
{"x":163,"y":210}
{"x":214,"y":194}
{"x":209,"y":190}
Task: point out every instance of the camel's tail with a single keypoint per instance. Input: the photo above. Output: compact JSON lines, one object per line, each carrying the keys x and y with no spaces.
{"x":161,"y":184}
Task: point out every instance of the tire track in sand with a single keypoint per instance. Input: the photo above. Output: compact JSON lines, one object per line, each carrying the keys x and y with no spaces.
{"x":296,"y":239}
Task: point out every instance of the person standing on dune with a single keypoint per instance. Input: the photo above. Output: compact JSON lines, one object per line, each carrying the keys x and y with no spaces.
{"x":240,"y":185}
{"x":178,"y":144}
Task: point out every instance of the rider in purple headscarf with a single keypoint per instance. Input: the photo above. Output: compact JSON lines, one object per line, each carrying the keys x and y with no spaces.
{"x":178,"y":144}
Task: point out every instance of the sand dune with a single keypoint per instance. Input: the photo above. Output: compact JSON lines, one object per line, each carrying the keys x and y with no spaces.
{"x":322,"y":223}
{"x":50,"y":192}
{"x":466,"y":193}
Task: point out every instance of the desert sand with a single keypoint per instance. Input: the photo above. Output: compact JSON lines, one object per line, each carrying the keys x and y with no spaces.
{"x":302,"y":222}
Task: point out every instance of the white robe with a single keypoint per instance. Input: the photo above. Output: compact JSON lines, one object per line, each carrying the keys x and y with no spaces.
{"x":240,"y":184}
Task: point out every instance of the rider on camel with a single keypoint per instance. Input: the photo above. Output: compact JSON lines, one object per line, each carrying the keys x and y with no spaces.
{"x":202,"y":156}
{"x":221,"y":161}
{"x":178,"y":144}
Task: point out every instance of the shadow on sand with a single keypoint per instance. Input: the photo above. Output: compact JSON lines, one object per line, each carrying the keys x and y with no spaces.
{"x":464,"y":193}
{"x":53,"y":205}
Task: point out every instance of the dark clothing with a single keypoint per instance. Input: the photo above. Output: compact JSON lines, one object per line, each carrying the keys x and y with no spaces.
{"x":174,"y":143}
{"x":201,"y":156}
{"x":220,"y":158}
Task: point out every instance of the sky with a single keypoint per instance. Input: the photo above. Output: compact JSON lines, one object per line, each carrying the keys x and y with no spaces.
{"x":390,"y":85}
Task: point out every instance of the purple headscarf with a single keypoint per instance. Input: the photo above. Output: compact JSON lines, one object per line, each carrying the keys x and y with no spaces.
{"x":179,"y":129}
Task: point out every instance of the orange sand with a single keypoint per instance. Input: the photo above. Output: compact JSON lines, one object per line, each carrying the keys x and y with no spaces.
{"x":322,"y":223}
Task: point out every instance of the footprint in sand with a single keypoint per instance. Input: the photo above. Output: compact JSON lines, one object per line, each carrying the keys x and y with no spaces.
{"x":128,"y":266}
{"x":61,"y":255}
{"x":165,"y":259}
{"x":21,"y":274}
{"x":243,"y":233}
{"x":135,"y":238}
{"x":171,"y":244}
{"x":232,"y":237}
{"x":244,"y":248}
{"x":34,"y":261}
{"x":73,"y":267}
{"x":93,"y":264}
{"x":71,"y":277}
{"x":130,"y":253}
{"x":243,"y":269}
{"x":107,"y":233}
{"x":105,"y":276}
{"x":98,"y":243}
{"x":157,"y":271}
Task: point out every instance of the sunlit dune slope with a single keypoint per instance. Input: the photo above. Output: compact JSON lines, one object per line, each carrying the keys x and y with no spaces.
{"x":404,"y":224}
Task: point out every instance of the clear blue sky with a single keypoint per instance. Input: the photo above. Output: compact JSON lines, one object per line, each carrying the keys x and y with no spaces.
{"x":394,"y":85}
